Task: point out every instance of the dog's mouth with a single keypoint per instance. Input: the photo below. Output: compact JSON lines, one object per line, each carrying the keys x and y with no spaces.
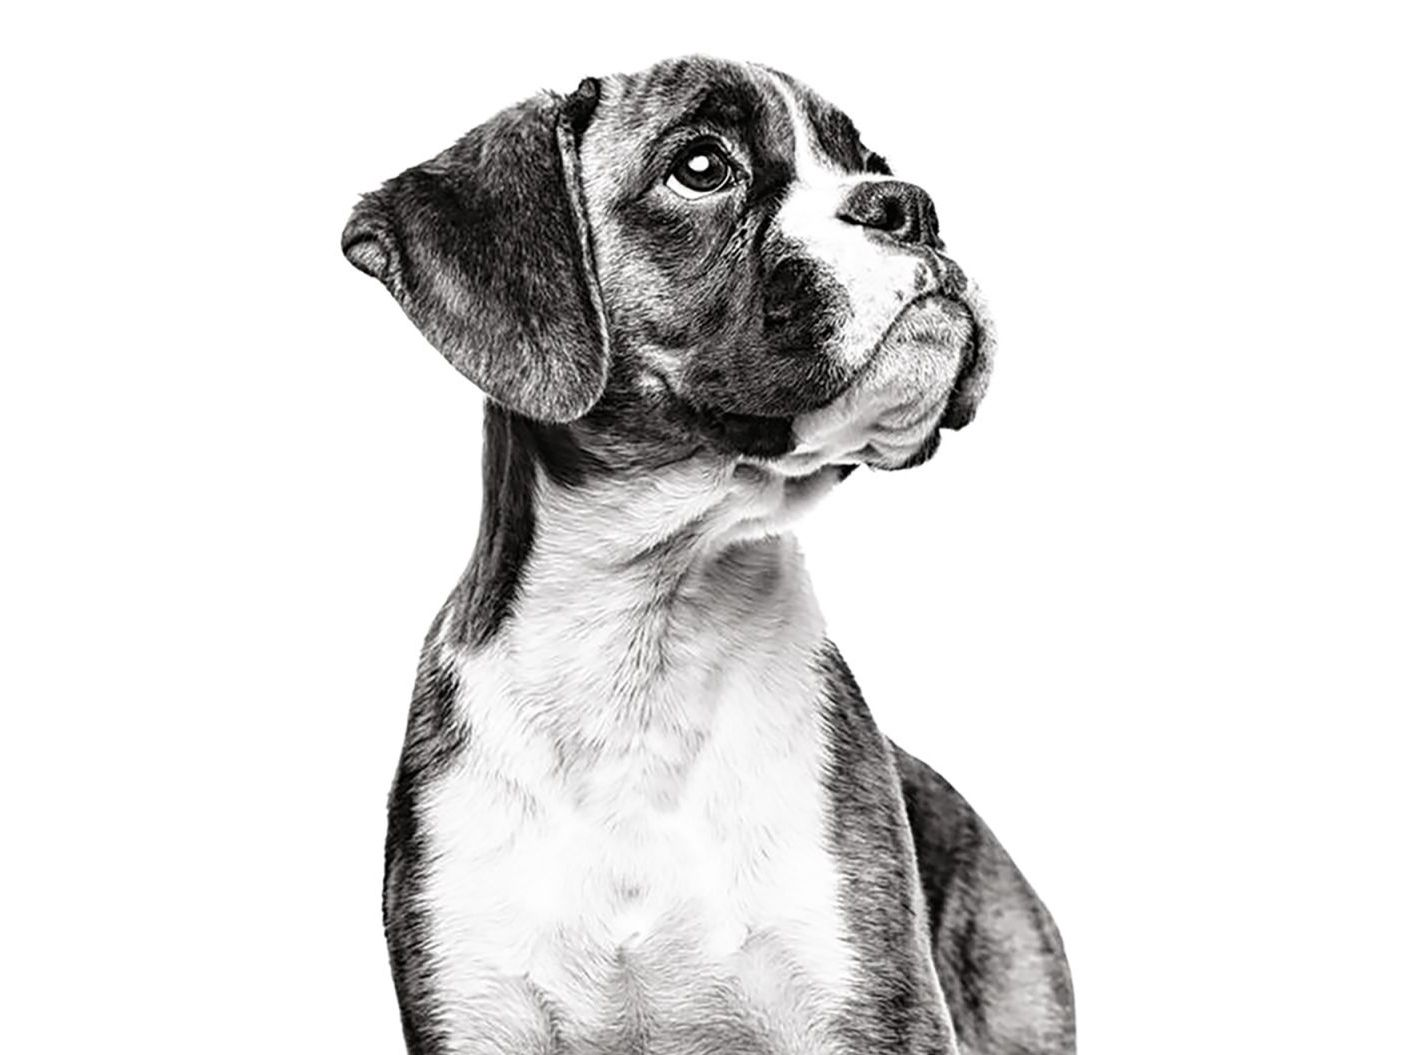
{"x":909,"y":388}
{"x":922,"y":374}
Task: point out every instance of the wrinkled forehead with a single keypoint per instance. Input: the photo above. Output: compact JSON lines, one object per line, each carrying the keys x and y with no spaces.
{"x":768,"y":112}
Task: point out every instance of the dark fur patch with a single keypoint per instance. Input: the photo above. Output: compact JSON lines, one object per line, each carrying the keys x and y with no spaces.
{"x":713,"y":281}
{"x":433,"y":738}
{"x":959,"y":879}
{"x":746,"y":434}
{"x":800,"y":306}
{"x":1007,"y":987}
{"x":486,"y":249}
{"x":833,"y":132}
{"x":899,"y":1009}
{"x":514,"y":448}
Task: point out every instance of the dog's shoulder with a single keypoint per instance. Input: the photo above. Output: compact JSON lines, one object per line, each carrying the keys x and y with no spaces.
{"x":998,"y":955}
{"x":998,"y":952}
{"x":880,"y":889}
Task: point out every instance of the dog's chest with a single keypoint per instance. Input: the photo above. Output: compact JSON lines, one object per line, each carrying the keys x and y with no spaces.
{"x":671,"y":890}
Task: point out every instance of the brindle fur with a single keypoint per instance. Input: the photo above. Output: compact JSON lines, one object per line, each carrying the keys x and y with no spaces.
{"x":484,"y":247}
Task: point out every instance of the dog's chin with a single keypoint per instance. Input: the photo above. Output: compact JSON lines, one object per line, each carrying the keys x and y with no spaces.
{"x":889,"y":417}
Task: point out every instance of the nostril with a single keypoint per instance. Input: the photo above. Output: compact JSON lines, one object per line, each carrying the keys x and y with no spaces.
{"x":900,"y":210}
{"x":894,"y":219}
{"x":864,"y":211}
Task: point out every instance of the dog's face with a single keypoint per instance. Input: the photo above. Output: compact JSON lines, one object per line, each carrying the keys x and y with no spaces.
{"x":703,"y":258}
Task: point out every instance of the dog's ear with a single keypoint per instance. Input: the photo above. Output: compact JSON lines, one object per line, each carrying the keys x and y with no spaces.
{"x":487,"y":249}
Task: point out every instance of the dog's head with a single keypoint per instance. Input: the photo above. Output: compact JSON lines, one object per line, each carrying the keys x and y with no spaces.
{"x":703,"y":259}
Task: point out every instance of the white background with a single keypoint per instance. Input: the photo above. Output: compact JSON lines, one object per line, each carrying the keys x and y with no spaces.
{"x":1146,"y":613}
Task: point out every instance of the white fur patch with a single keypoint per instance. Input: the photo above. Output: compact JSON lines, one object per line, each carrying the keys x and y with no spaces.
{"x":880,"y":280}
{"x":637,"y":830}
{"x":906,"y":342}
{"x":893,"y":406}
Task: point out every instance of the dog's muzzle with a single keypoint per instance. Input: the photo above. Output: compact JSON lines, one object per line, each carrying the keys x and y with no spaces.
{"x":926,"y":372}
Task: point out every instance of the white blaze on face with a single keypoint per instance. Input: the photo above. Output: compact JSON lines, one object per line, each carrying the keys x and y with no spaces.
{"x":908,"y":360}
{"x":878,"y":280}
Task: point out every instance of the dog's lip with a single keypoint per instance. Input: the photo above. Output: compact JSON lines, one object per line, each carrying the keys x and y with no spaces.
{"x":915,"y":305}
{"x":925,"y":316}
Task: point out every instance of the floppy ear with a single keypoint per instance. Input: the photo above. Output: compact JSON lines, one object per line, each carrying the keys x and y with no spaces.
{"x":486,"y":248}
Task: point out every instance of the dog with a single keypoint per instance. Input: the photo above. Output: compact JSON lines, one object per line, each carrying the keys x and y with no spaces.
{"x":642,"y":806}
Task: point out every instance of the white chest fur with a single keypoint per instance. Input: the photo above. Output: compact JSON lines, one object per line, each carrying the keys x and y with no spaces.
{"x":632,"y":854}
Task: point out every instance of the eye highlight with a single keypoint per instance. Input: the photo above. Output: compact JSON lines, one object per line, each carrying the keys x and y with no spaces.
{"x":702,"y":169}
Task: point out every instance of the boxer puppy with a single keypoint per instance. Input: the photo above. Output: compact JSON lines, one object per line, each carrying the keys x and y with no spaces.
{"x":642,"y":806}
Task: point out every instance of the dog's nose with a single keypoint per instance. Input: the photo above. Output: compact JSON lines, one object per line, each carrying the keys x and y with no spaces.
{"x":901,"y":210}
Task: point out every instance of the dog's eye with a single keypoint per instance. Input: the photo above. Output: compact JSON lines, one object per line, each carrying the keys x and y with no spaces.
{"x":701,"y":169}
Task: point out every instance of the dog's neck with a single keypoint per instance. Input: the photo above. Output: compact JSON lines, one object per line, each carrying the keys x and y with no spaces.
{"x":616,"y":605}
